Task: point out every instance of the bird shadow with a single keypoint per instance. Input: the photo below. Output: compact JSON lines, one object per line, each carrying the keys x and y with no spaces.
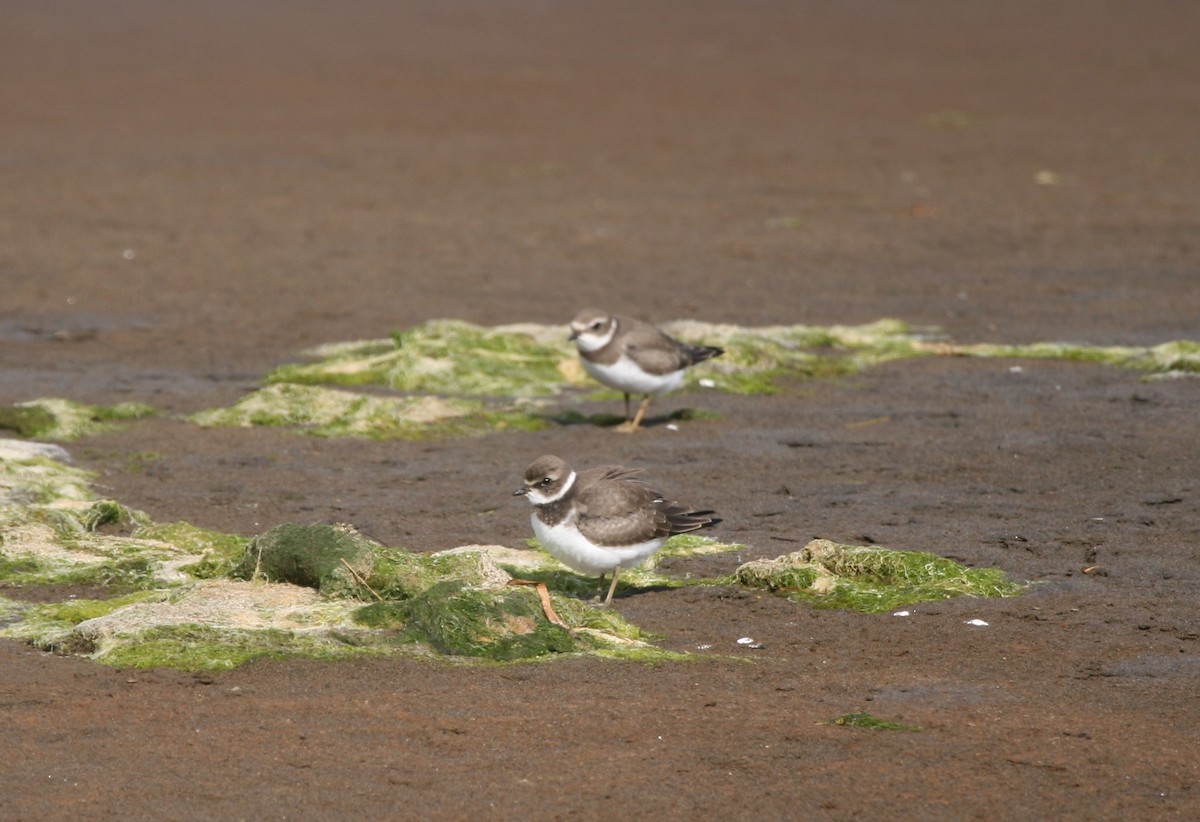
{"x":573,"y":417}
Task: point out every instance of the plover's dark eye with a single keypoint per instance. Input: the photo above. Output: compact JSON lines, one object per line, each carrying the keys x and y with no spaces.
{"x":546,"y":480}
{"x":596,"y":325}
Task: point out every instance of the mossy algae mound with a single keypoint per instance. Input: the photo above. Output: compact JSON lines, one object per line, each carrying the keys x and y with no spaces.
{"x":448,"y":357}
{"x":757,"y":360}
{"x":462,"y":379}
{"x":205,"y":624}
{"x":457,"y":620}
{"x":51,"y":418}
{"x":181,"y":596}
{"x":330,"y":558}
{"x":332,"y":412}
{"x":829,"y":575}
{"x":55,"y":531}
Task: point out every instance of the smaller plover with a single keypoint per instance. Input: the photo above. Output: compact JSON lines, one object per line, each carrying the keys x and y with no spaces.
{"x":634,"y":357}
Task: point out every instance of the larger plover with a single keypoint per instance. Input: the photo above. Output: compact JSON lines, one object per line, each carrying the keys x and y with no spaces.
{"x":601,"y":520}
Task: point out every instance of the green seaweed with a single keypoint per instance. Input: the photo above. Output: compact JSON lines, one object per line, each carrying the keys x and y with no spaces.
{"x":117,"y":575}
{"x":37,"y":481}
{"x":51,"y":418}
{"x":466,"y":379}
{"x":1166,"y":359}
{"x":191,"y":647}
{"x":441,"y":357}
{"x":329,"y":412}
{"x":865,"y":720}
{"x":503,"y":625}
{"x":331,"y":558}
{"x":869,"y":579}
{"x":72,"y":612}
{"x":27,"y":420}
{"x":218,"y":552}
{"x":400,"y":575}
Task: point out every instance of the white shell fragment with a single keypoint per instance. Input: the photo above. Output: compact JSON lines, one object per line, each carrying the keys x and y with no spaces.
{"x":978,"y":622}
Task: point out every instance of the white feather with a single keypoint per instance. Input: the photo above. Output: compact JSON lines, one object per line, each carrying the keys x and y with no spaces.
{"x":626,"y":375}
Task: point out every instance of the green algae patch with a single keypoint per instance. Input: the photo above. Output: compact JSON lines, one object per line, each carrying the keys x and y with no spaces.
{"x":329,"y":412}
{"x":58,"y":419}
{"x":461,"y":379}
{"x":503,"y":625}
{"x":203,"y":648}
{"x":865,"y":720}
{"x":1169,"y":359}
{"x":215,"y":553}
{"x":445,"y":357}
{"x":33,"y":475}
{"x":54,"y":531}
{"x":830,"y":575}
{"x":26,"y":420}
{"x":759,"y":360}
{"x":206,"y":623}
{"x":72,"y":612}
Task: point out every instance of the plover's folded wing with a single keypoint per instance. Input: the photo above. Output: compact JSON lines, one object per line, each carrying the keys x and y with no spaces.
{"x":621,"y":512}
{"x":654,"y":351}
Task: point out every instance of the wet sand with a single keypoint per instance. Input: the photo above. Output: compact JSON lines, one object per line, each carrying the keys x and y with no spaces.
{"x":192,"y":193}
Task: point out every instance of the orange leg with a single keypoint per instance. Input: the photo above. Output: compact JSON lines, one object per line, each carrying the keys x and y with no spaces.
{"x":641,"y":413}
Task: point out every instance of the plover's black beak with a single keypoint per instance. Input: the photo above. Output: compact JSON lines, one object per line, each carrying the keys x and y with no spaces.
{"x":574,"y":335}
{"x":520,"y":492}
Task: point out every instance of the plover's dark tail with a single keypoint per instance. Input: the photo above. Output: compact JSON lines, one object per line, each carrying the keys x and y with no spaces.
{"x":683,"y":521}
{"x":700,"y":353}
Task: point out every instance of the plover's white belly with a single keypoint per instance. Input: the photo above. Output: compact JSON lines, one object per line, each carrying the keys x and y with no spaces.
{"x":574,"y":550}
{"x":625,"y":375}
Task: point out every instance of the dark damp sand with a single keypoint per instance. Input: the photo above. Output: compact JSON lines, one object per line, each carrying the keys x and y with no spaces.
{"x":190,"y":193}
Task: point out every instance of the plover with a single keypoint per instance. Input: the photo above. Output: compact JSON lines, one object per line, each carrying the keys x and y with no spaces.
{"x":603,"y":519}
{"x":634,"y":357}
